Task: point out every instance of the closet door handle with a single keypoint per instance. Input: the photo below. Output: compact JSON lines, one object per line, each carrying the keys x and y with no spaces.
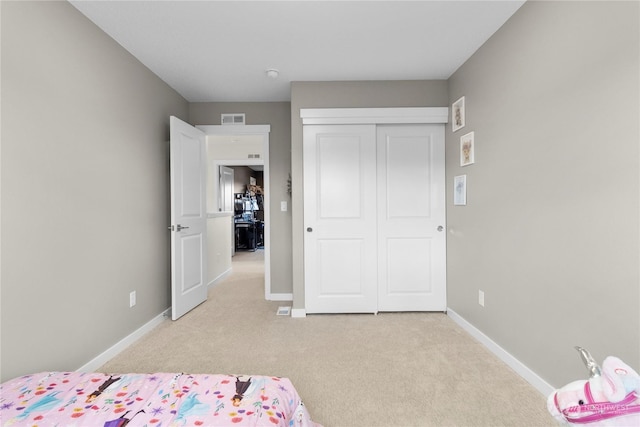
{"x":309,"y":229}
{"x":440,"y":228}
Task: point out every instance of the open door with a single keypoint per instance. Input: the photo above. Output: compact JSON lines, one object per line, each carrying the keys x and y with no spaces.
{"x":188,"y":218}
{"x":226,"y":189}
{"x":226,"y":202}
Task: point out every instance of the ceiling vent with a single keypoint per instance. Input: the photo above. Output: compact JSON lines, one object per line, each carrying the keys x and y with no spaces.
{"x":232,"y":119}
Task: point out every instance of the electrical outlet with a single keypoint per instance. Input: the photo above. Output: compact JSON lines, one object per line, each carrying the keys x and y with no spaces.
{"x":132,"y":299}
{"x":481,"y":298}
{"x":283,"y":206}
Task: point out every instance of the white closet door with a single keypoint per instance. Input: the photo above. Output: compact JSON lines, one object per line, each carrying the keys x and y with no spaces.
{"x":340,"y":219}
{"x":411,"y":218}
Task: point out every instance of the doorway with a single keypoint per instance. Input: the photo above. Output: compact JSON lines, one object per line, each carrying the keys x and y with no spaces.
{"x":247,"y":202}
{"x":229,"y":152}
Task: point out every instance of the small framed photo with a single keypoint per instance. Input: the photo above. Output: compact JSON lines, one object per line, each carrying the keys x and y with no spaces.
{"x":457,"y":115}
{"x":460,"y":190}
{"x":467,"y":155}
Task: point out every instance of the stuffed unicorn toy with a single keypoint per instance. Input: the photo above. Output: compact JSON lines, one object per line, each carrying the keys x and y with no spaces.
{"x":610,"y":397}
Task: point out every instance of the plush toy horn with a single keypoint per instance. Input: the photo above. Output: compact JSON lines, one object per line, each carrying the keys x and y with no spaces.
{"x":592,"y":366}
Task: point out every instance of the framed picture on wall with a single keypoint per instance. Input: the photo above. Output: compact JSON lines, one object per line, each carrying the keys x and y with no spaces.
{"x":460,"y":190}
{"x":457,"y":114}
{"x":467,"y":155}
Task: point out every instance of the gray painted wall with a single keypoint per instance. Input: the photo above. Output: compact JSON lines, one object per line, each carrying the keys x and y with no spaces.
{"x":85,"y":196}
{"x":278,"y":115}
{"x":241,"y":176}
{"x":550,"y":232}
{"x":418,"y":93}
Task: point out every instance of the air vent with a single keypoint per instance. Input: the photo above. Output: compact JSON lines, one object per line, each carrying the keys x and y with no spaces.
{"x":232,"y":119}
{"x":284,"y":311}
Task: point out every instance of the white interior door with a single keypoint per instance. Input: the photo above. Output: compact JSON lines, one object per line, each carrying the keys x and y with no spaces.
{"x":411,"y":218}
{"x":340,"y":219}
{"x":188,"y":218}
{"x":226,"y":202}
{"x":226,"y":189}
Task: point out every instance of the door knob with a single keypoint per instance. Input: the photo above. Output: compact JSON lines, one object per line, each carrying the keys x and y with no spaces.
{"x":180,"y":228}
{"x":440,"y":228}
{"x":309,"y":229}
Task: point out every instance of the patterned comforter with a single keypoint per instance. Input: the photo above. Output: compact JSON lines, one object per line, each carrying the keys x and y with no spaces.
{"x":155,"y":400}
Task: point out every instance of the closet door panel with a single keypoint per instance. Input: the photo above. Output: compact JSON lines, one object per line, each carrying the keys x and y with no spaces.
{"x":340,"y":219}
{"x":407,"y":178}
{"x":339,"y":176}
{"x":401,"y":257}
{"x":344,"y":260}
{"x":411,"y":267}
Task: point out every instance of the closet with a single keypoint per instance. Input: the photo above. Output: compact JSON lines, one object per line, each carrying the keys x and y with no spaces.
{"x":374,"y":217}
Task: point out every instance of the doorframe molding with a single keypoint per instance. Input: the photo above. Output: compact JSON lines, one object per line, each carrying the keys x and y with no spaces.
{"x":357,"y":116}
{"x":263,"y":130}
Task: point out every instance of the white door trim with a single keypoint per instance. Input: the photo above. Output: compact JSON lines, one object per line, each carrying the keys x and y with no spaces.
{"x":263,"y":130}
{"x":356,"y":116}
{"x":235,"y":129}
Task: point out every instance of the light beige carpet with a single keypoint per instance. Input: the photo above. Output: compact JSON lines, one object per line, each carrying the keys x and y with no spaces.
{"x":393,"y":369}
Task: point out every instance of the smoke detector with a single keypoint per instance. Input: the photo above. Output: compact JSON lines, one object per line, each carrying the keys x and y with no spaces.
{"x":272,"y":73}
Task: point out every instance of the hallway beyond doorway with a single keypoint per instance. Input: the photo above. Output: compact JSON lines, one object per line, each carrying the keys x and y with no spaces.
{"x":248,"y":262}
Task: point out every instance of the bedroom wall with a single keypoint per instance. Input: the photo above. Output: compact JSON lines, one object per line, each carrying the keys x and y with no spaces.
{"x":550,"y":232}
{"x":85,"y":196}
{"x":361,"y":94}
{"x":220,"y":241}
{"x":278,"y":115}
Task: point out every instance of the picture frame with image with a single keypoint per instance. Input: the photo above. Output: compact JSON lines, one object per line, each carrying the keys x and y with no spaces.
{"x":458,"y":114}
{"x":467,"y":149}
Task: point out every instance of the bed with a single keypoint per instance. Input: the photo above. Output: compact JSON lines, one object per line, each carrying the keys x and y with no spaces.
{"x":155,"y":400}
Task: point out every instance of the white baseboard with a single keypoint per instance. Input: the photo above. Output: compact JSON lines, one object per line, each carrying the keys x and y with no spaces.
{"x":298,"y":312}
{"x":521,"y":369}
{"x":279,"y":297}
{"x":219,"y":278}
{"x":124,"y":343}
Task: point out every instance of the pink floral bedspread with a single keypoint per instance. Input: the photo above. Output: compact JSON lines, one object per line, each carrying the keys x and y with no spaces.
{"x":71,"y":399}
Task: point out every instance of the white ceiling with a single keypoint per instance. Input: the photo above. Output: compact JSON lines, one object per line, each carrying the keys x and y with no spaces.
{"x":219,"y":51}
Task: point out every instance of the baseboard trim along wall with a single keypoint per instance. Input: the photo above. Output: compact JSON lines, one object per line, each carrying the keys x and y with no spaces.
{"x":521,"y":369}
{"x":279,"y":297}
{"x":298,"y":312}
{"x":219,"y":278}
{"x":120,"y":346}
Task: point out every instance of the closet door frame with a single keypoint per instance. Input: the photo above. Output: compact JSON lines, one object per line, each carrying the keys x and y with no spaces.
{"x":377,"y":116}
{"x":373,"y":116}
